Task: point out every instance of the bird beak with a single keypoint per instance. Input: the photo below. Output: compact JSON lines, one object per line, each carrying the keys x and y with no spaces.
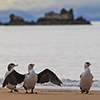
{"x":16,"y":65}
{"x":89,"y":64}
{"x":33,"y":65}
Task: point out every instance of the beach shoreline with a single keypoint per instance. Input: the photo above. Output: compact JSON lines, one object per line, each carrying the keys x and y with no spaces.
{"x":48,"y":94}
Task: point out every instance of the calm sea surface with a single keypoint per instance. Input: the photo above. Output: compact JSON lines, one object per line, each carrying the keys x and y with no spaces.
{"x":63,"y":49}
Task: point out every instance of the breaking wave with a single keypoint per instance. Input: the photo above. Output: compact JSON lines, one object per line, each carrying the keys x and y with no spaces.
{"x":66,"y":83}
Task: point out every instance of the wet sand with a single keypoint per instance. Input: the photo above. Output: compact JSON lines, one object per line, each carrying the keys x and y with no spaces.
{"x":49,"y":94}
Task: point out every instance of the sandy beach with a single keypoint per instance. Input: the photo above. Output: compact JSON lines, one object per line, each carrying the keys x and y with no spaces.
{"x":49,"y":94}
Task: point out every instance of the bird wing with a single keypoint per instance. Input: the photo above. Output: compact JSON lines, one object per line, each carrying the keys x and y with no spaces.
{"x":48,"y":76}
{"x":92,"y":76}
{"x":81,"y":75}
{"x":13,"y":78}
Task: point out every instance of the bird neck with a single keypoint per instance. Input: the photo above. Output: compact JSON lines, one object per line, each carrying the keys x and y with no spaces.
{"x":30,"y":70}
{"x":32,"y":73}
{"x":87,"y":70}
{"x":86,"y":66}
{"x":11,"y":70}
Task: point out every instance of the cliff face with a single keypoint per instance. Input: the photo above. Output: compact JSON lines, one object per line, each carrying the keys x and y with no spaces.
{"x":63,"y":18}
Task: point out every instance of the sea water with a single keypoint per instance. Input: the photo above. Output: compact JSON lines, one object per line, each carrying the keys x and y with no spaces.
{"x":62,"y":48}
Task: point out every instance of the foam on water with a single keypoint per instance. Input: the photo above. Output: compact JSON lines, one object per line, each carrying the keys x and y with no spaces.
{"x":67,"y":84}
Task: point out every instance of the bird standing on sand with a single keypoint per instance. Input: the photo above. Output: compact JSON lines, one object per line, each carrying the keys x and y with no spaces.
{"x":31,"y":78}
{"x":86,"y":79}
{"x":12,"y":77}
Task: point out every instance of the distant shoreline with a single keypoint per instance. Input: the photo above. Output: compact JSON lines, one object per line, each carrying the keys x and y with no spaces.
{"x":51,"y":18}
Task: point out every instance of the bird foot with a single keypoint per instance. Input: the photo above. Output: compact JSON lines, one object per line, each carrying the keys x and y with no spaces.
{"x":11,"y":91}
{"x":16,"y":90}
{"x":87,"y":92}
{"x":26,"y":92}
{"x":33,"y":92}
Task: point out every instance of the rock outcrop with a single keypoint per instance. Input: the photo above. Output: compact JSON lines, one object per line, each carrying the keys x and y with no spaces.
{"x":81,"y":20}
{"x":16,"y":20}
{"x":63,"y":18}
{"x":52,"y":18}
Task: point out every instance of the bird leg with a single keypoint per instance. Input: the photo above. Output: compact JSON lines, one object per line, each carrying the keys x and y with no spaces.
{"x":32,"y":91}
{"x":15,"y":90}
{"x":25,"y":89}
{"x":87,"y":92}
{"x":11,"y":91}
{"x":82,"y":91}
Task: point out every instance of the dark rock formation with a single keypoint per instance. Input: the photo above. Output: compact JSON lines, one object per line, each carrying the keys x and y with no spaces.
{"x":0,"y":23}
{"x":63,"y":18}
{"x":16,"y":20}
{"x":81,"y":20}
{"x":52,"y":18}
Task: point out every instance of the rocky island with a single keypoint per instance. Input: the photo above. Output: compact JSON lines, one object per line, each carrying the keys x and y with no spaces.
{"x":51,"y":18}
{"x":16,"y":20}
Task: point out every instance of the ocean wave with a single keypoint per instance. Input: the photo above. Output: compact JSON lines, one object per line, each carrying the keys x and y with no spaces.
{"x":96,"y":83}
{"x":66,"y":83}
{"x":69,"y":82}
{"x":72,"y":83}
